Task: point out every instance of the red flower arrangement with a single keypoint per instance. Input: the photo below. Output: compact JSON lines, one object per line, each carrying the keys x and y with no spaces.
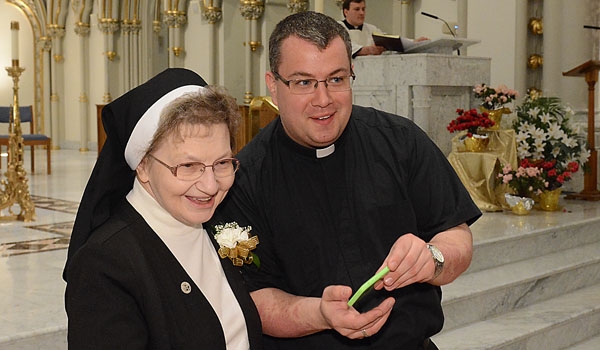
{"x":556,"y":175}
{"x":534,"y":176}
{"x":525,"y":181}
{"x":471,"y":121}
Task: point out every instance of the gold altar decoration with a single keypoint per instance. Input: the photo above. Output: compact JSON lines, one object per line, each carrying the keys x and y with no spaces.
{"x":297,"y":6}
{"x":548,"y":200}
{"x":478,"y":171}
{"x":496,"y":116}
{"x":15,"y":189}
{"x":476,"y":143}
{"x":519,"y":205}
{"x":252,"y":9}
{"x":536,"y":26}
{"x":519,"y":208}
{"x":535,"y":61}
{"x":212,"y":10}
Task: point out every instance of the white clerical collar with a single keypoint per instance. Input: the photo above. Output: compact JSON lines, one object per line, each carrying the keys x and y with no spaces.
{"x":324,"y":152}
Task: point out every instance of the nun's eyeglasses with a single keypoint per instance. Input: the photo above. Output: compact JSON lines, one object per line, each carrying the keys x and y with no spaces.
{"x":193,"y":170}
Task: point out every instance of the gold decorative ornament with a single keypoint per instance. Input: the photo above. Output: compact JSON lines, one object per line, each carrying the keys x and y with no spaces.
{"x":255,"y":45}
{"x":111,"y":55}
{"x":177,"y":51}
{"x":536,"y":26}
{"x":175,"y":19}
{"x":82,"y":28}
{"x":535,"y":61}
{"x":252,"y":9}
{"x":236,"y":244}
{"x":156,"y":26}
{"x":109,"y":25}
{"x":476,"y":143}
{"x":548,"y":200}
{"x":248,"y":96}
{"x":212,"y":10}
{"x":58,"y":58}
{"x":297,"y":6}
{"x":496,"y":116}
{"x":15,"y":189}
{"x":534,"y":93}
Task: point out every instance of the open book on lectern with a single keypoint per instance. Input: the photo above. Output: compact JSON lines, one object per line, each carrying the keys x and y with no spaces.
{"x":441,"y":46}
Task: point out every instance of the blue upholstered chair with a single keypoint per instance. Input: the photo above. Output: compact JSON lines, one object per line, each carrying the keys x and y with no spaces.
{"x":31,"y":139}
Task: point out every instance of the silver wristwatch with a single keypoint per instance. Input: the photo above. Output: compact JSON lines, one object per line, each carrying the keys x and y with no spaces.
{"x":438,"y":259}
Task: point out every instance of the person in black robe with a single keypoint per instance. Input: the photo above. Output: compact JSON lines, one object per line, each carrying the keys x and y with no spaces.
{"x":142,"y":270}
{"x":338,"y":193}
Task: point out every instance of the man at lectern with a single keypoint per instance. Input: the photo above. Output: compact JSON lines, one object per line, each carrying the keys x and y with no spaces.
{"x":361,"y":33}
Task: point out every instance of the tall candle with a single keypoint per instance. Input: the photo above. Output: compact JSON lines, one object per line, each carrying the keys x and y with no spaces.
{"x":14,"y":29}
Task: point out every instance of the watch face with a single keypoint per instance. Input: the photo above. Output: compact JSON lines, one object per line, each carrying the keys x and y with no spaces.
{"x":437,"y":254}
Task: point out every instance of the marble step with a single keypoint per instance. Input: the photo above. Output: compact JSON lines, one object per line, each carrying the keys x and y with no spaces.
{"x":56,"y":339}
{"x":508,"y":238}
{"x":589,"y":344}
{"x":484,"y":294}
{"x":553,"y":324}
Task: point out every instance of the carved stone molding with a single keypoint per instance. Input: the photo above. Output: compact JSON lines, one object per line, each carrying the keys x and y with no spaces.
{"x":252,"y":9}
{"x":45,"y":43}
{"x":212,"y":10}
{"x":108,"y":25}
{"x":132,"y":26}
{"x":56,"y":31}
{"x":82,"y":29}
{"x":175,"y":19}
{"x":297,"y":6}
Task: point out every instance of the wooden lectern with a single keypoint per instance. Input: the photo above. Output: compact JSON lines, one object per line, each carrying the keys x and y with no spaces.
{"x":589,"y":70}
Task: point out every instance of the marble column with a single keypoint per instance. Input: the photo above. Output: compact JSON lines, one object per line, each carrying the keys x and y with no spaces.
{"x":56,"y":32}
{"x":251,"y":10}
{"x":213,"y":13}
{"x":83,"y":30}
{"x":553,"y":48}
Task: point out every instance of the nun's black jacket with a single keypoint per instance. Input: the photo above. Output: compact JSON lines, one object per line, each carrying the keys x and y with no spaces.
{"x":126,"y":291}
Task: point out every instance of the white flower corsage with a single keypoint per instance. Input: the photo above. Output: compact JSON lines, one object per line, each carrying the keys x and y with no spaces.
{"x":236,"y":244}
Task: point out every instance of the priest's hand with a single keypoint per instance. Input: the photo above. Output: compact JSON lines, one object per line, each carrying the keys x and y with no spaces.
{"x":284,"y":315}
{"x":346,"y":320}
{"x":410,"y":261}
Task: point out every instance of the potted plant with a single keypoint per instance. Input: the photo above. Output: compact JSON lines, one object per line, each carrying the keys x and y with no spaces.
{"x":546,"y":139}
{"x":493,"y":101}
{"x":474,"y":123}
{"x":524,"y":182}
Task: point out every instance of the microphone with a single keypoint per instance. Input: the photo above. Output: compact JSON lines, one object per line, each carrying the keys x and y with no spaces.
{"x":447,"y":25}
{"x":591,"y":27}
{"x":441,"y":19}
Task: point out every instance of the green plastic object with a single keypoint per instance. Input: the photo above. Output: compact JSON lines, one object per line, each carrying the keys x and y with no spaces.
{"x":370,"y":282}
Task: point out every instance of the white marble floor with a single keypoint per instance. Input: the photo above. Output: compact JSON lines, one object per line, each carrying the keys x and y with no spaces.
{"x":32,"y":254}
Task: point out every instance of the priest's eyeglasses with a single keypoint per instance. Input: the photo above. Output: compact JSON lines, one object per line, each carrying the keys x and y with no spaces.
{"x":308,"y":86}
{"x":193,"y":170}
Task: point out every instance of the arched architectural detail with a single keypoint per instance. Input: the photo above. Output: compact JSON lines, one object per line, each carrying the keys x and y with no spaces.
{"x":35,"y":11}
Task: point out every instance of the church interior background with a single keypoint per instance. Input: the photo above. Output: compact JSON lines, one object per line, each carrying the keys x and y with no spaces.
{"x":79,"y":55}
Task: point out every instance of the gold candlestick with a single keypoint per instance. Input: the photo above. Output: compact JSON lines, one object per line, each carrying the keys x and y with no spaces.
{"x":15,"y":189}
